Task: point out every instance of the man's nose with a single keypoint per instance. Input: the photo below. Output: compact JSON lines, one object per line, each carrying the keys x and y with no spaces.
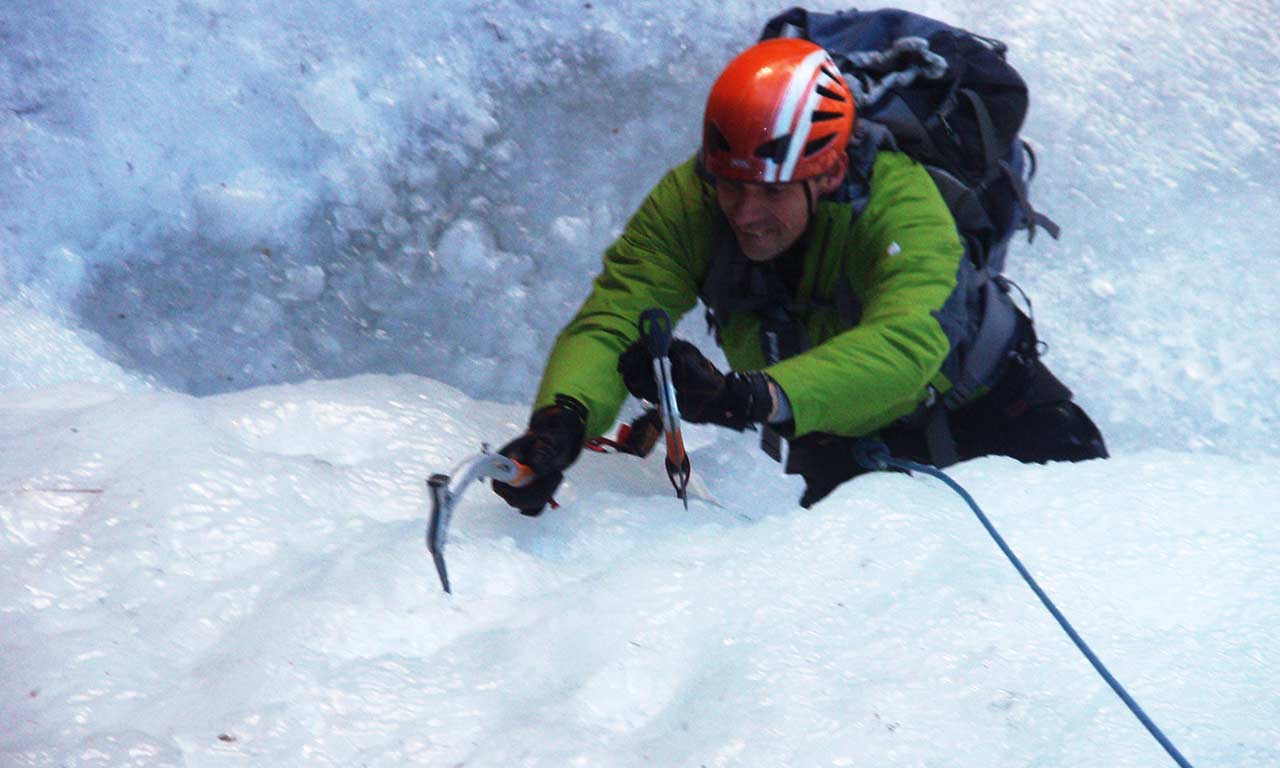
{"x":747,"y":208}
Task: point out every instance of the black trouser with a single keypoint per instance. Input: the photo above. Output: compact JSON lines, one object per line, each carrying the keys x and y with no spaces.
{"x":1028,"y":416}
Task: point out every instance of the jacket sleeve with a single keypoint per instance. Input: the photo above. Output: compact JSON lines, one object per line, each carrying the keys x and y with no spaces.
{"x":654,"y":263}
{"x":906,"y":256}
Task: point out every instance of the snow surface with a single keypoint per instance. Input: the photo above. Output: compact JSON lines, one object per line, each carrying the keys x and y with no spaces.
{"x":241,"y":579}
{"x":265,"y":267}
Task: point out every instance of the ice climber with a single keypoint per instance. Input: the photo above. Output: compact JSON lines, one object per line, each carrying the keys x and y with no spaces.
{"x":836,"y":324}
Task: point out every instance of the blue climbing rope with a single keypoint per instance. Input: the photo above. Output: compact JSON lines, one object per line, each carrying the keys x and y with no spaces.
{"x":875,"y":455}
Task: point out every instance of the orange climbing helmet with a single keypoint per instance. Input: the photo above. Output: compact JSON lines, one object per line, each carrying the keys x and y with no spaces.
{"x":779,"y":112}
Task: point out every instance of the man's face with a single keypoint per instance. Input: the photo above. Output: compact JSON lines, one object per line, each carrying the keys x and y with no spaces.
{"x":767,"y":219}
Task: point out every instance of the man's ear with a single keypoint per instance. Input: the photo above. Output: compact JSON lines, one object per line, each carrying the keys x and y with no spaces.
{"x":831,"y":180}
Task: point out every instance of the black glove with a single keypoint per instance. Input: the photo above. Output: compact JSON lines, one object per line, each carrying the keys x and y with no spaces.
{"x":703,"y":394}
{"x":636,"y":367}
{"x":825,"y":461}
{"x":550,"y":444}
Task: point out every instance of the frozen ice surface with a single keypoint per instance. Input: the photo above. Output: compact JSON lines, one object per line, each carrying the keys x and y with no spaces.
{"x":213,"y":212}
{"x":242,"y":579}
{"x":398,"y":150}
{"x":379,"y":172}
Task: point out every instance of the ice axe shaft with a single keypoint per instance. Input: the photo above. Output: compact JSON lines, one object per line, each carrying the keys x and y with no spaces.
{"x":655,"y":330}
{"x":447,"y":489}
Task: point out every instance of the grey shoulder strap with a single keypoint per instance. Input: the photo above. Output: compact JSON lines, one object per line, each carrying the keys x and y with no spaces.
{"x":990,"y":347}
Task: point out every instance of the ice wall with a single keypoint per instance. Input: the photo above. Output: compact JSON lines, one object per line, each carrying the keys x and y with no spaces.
{"x":224,"y":193}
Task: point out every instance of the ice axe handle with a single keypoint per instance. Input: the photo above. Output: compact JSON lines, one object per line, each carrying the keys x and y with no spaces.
{"x":655,"y":329}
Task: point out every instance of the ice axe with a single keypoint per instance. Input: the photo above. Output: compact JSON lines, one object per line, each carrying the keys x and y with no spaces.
{"x":655,"y":330}
{"x":447,"y":489}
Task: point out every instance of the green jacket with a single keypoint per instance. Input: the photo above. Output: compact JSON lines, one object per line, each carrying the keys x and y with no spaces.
{"x":903,"y":259}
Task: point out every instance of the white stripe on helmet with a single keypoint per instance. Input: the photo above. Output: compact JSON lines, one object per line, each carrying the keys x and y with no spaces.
{"x":788,"y":121}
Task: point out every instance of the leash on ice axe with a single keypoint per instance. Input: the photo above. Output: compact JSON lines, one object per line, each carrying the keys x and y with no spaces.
{"x":874,"y":455}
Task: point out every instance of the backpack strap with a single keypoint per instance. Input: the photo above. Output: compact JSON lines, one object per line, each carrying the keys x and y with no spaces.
{"x":724,"y":271}
{"x":938,"y":437}
{"x":983,"y":362}
{"x":996,"y":335}
{"x":996,"y":167}
{"x":797,"y":18}
{"x":991,"y":162}
{"x":1031,"y":218}
{"x":848,"y":308}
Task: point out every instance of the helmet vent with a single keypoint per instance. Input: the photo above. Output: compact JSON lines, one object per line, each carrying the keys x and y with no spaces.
{"x":819,"y":116}
{"x":828,"y":73}
{"x":716,"y":139}
{"x":775,"y":150}
{"x":817,"y":144}
{"x":830,"y":94}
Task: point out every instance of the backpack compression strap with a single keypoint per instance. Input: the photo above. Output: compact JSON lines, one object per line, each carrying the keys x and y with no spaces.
{"x":1031,"y":218}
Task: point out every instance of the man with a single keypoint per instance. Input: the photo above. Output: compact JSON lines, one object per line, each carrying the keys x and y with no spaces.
{"x":836,"y":325}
